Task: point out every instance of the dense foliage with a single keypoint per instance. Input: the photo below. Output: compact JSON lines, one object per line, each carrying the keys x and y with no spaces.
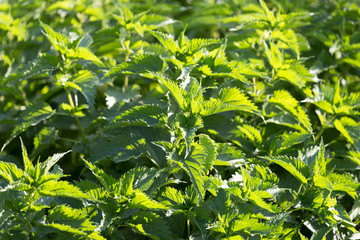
{"x":161,"y":119}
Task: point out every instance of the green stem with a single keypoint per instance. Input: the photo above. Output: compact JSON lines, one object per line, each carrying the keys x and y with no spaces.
{"x":188,"y":227}
{"x":126,"y":79}
{"x":254,"y":87}
{"x":323,"y":127}
{"x":127,"y":57}
{"x":76,"y":118}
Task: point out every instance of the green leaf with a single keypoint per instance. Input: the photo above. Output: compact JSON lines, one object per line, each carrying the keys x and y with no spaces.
{"x":250,"y":132}
{"x":205,"y":151}
{"x":43,"y":64}
{"x":118,"y":149}
{"x":10,"y":172}
{"x":59,"y":41}
{"x":73,"y":221}
{"x":291,"y":139}
{"x":291,"y":76}
{"x":197,"y":44}
{"x":230,"y":99}
{"x":274,"y":56}
{"x":151,"y":225}
{"x":28,"y":166}
{"x":85,"y":41}
{"x":289,"y":104}
{"x":176,"y":91}
{"x":171,"y":197}
{"x":338,"y":125}
{"x":196,"y":173}
{"x":61,"y":189}
{"x":87,"y":82}
{"x":294,"y":166}
{"x":106,"y":181}
{"x":189,"y":125}
{"x":354,"y":156}
{"x":82,"y":53}
{"x":167,"y":41}
{"x":51,"y":161}
{"x":31,"y":116}
{"x":139,"y":64}
{"x":344,"y":183}
{"x":142,"y":201}
{"x":253,"y":197}
{"x":44,"y":139}
{"x":321,"y":233}
{"x":73,"y":217}
{"x":247,"y":223}
{"x":144,"y":115}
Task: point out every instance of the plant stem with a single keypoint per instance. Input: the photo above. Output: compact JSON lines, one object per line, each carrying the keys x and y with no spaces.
{"x":254,"y":86}
{"x":126,"y":79}
{"x":76,"y":118}
{"x":323,"y":127}
{"x":188,"y":227}
{"x":127,"y":56}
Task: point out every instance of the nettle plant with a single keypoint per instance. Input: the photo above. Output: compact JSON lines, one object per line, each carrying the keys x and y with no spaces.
{"x":179,"y":120}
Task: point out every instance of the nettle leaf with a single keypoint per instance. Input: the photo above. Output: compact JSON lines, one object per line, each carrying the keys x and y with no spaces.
{"x":87,"y":82}
{"x":142,"y":201}
{"x":338,"y":125}
{"x":205,"y":151}
{"x":171,"y":197}
{"x":45,"y":63}
{"x":196,"y":44}
{"x":142,"y":63}
{"x":51,"y":161}
{"x":73,"y":221}
{"x":153,"y":21}
{"x":228,"y":155}
{"x":146,"y":179}
{"x":61,"y":188}
{"x":344,"y":183}
{"x":350,"y":129}
{"x":59,"y":41}
{"x":289,"y":39}
{"x":321,"y":233}
{"x":314,"y":158}
{"x":247,"y":223}
{"x":151,"y":225}
{"x":289,"y":140}
{"x":230,"y":99}
{"x":258,"y":201}
{"x":31,"y":116}
{"x":294,"y":166}
{"x":10,"y":172}
{"x":291,"y":76}
{"x":119,"y":150}
{"x":176,"y":91}
{"x":189,"y":125}
{"x":250,"y":132}
{"x":28,"y":166}
{"x":274,"y":55}
{"x":106,"y":181}
{"x":82,"y":53}
{"x":85,"y":41}
{"x":167,"y":41}
{"x":354,"y":156}
{"x":44,"y":139}
{"x":289,"y":104}
{"x":145,"y":115}
{"x":195,"y":171}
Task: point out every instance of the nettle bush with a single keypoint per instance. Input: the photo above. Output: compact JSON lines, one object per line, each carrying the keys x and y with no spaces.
{"x":234,"y":119}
